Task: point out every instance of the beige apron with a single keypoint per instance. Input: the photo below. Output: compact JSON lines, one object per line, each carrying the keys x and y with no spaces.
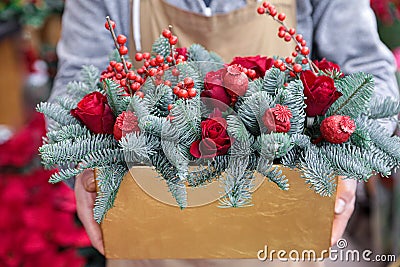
{"x":239,"y":33}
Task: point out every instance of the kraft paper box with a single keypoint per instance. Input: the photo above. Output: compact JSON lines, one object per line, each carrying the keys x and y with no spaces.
{"x":141,"y":227}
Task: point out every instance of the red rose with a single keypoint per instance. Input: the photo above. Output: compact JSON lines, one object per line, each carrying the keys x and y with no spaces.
{"x":337,"y":129}
{"x":257,"y":63}
{"x":214,"y":138}
{"x":320,"y":91}
{"x":125,"y":123}
{"x":181,"y":51}
{"x":277,"y":119}
{"x":94,"y":112}
{"x":235,"y":81}
{"x":326,"y":65}
{"x":214,"y":92}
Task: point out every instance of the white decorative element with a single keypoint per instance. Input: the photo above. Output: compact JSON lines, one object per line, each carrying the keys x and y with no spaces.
{"x":136,"y":25}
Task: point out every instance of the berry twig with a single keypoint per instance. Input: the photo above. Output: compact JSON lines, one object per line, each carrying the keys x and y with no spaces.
{"x":289,"y":34}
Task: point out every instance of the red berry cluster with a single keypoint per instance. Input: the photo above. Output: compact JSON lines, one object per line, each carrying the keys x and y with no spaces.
{"x":250,"y":73}
{"x":173,"y":40}
{"x":287,"y":34}
{"x":185,"y":89}
{"x":120,"y":72}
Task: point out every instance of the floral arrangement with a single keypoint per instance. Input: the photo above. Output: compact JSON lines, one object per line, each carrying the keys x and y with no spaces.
{"x":185,"y":106}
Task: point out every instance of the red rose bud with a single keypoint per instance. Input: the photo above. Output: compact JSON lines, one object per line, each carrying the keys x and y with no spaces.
{"x":257,"y":63}
{"x":94,"y":112}
{"x":320,"y":91}
{"x":337,"y":129}
{"x":325,"y":65}
{"x":215,"y":140}
{"x":277,"y":119}
{"x":125,"y":123}
{"x":214,"y":94}
{"x":235,"y":81}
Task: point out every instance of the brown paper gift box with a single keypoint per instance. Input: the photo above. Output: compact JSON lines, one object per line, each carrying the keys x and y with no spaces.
{"x":141,"y":227}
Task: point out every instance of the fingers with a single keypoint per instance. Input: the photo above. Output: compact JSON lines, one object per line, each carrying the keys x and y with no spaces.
{"x":85,"y":193}
{"x":344,"y":207}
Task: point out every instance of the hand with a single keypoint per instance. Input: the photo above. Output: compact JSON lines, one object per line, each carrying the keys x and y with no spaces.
{"x":344,"y":207}
{"x":85,"y":194}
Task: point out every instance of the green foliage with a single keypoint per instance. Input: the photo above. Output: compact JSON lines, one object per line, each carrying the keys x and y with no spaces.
{"x":90,"y":76}
{"x":317,"y":172}
{"x":178,"y":191}
{"x":383,"y":108}
{"x":57,"y":113}
{"x":274,"y":145}
{"x":275,"y":175}
{"x":208,"y":172}
{"x":273,"y":80}
{"x":204,"y":60}
{"x":102,"y":158}
{"x":77,"y":90}
{"x":361,"y":138}
{"x":109,"y":179}
{"x":292,"y":96}
{"x":138,"y":106}
{"x":68,"y":132}
{"x":116,"y":97}
{"x":254,"y":87}
{"x":136,"y":148}
{"x":348,"y":161}
{"x":152,"y":125}
{"x":162,"y":47}
{"x":357,"y":90}
{"x":72,"y":151}
{"x":157,"y":98}
{"x":67,"y":102}
{"x":237,"y":190}
{"x":252,"y":110}
{"x":63,"y":174}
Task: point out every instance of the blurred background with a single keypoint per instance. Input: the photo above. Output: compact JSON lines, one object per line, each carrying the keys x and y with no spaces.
{"x":38,"y":222}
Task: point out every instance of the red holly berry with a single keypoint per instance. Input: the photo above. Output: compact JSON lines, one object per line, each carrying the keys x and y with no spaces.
{"x":112,"y":63}
{"x":119,"y":67}
{"x":278,"y":63}
{"x":121,"y":39}
{"x":169,"y":59}
{"x":108,"y":26}
{"x":261,"y":10}
{"x":175,"y":90}
{"x":183,"y":93}
{"x":304,"y":61}
{"x":166,"y":33}
{"x":282,"y":16}
{"x":266,"y":4}
{"x":288,"y":37}
{"x":251,"y":73}
{"x":138,"y":56}
{"x":153,"y":62}
{"x":128,"y":65}
{"x":140,"y":94}
{"x":175,"y":72}
{"x":170,"y":106}
{"x":192,"y":92}
{"x":159,"y":59}
{"x":188,"y":82}
{"x":299,"y":38}
{"x":303,"y":43}
{"x":273,"y":11}
{"x":294,"y":54}
{"x":281,"y":34}
{"x":282,"y":68}
{"x":289,"y":60}
{"x":146,"y":55}
{"x":297,"y":68}
{"x":152,"y":72}
{"x":292,"y":31}
{"x":173,"y":40}
{"x":123,"y":50}
{"x":168,"y":83}
{"x":131,"y":75}
{"x":305,"y":51}
{"x":337,"y":129}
